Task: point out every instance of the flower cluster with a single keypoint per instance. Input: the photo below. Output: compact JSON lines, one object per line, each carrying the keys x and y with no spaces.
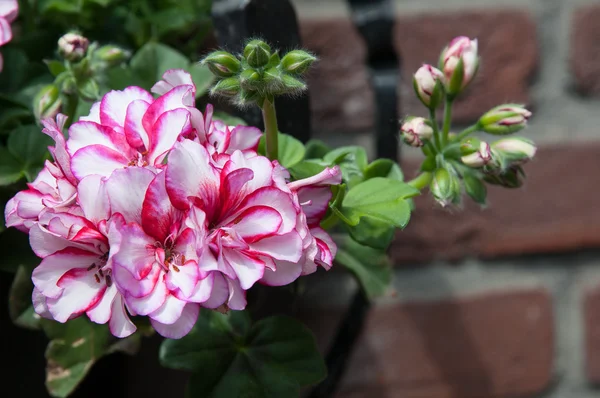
{"x":153,"y":208}
{"x":9,"y":9}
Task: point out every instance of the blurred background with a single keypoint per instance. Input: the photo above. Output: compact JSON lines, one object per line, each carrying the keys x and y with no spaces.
{"x":487,"y":303}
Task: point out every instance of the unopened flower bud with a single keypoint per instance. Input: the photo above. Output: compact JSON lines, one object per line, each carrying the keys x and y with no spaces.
{"x":250,"y":79}
{"x":479,"y":158}
{"x":112,"y":55}
{"x":445,"y":187}
{"x":504,"y":119}
{"x":469,"y":146}
{"x":222,"y":63}
{"x":514,"y":150}
{"x":428,"y":84}
{"x":513,"y":177}
{"x":459,"y":62}
{"x":227,"y":87}
{"x":47,"y":102}
{"x":73,"y":46}
{"x":257,"y":53}
{"x":297,"y":62}
{"x":415,"y":131}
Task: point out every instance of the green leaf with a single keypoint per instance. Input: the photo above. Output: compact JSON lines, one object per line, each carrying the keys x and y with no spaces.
{"x":19,"y":303}
{"x":273,"y":358}
{"x":30,"y":147}
{"x":370,"y":266}
{"x":154,"y":59}
{"x":74,"y":347}
{"x":316,"y":149}
{"x":306,"y":168}
{"x":10,"y":168}
{"x":352,"y":161}
{"x":381,"y":199}
{"x":384,"y":168}
{"x":291,"y":150}
{"x":373,"y":233}
{"x":55,"y":67}
{"x":15,"y":69}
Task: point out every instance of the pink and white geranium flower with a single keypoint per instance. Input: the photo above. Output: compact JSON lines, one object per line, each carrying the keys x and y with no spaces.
{"x":123,"y":230}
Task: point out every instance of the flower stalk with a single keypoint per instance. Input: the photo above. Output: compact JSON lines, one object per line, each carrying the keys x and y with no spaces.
{"x":271,"y":130}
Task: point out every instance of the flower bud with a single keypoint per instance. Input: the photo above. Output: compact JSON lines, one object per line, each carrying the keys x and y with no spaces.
{"x":257,"y":53}
{"x":511,"y":178}
{"x":227,"y":87}
{"x":222,"y":63}
{"x":428,"y":84}
{"x":47,"y":102}
{"x":504,"y":119}
{"x":250,"y":79}
{"x":445,"y":187}
{"x":514,"y":150}
{"x":469,"y":146}
{"x":415,"y":131}
{"x":297,"y":62}
{"x":478,"y":158}
{"x":459,"y":62}
{"x":112,"y":55}
{"x":73,"y":46}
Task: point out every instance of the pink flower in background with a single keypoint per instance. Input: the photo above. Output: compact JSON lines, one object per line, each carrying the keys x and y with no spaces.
{"x":9,"y":9}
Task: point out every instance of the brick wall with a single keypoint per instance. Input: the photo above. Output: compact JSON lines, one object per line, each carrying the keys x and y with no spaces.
{"x":493,"y":303}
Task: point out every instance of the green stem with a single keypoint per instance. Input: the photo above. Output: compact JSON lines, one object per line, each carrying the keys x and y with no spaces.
{"x":421,"y":181}
{"x":466,"y":132}
{"x":71,"y":102}
{"x":447,"y":121}
{"x":271,"y":131}
{"x":436,"y":130}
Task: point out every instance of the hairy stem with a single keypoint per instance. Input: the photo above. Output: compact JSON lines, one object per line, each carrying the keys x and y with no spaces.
{"x":421,"y":181}
{"x":436,"y":130}
{"x":271,"y":131}
{"x":447,"y":121}
{"x":466,"y":132}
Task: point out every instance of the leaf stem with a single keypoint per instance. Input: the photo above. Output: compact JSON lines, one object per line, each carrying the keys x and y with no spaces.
{"x":271,"y":130}
{"x":421,"y":181}
{"x":447,"y":121}
{"x":436,"y":130}
{"x":466,"y":132}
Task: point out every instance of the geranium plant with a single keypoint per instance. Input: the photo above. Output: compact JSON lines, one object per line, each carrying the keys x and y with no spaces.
{"x":152,"y":215}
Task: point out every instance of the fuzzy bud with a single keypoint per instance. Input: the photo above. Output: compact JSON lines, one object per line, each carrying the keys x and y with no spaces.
{"x":428,"y":84}
{"x":73,"y":46}
{"x":513,"y":177}
{"x":445,"y":187}
{"x":415,"y":131}
{"x":459,"y":62}
{"x":222,"y":64}
{"x":257,"y":53}
{"x":504,"y":119}
{"x":112,"y":55}
{"x":297,"y":62}
{"x":514,"y":150}
{"x":227,"y":87}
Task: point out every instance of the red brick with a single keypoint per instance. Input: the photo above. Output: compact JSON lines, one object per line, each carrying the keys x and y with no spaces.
{"x":341,"y":98}
{"x":556,"y":211}
{"x":489,"y":346}
{"x":591,"y":307}
{"x":585,"y":49}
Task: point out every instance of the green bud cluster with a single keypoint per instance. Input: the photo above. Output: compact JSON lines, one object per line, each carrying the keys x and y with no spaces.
{"x":258,"y":73}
